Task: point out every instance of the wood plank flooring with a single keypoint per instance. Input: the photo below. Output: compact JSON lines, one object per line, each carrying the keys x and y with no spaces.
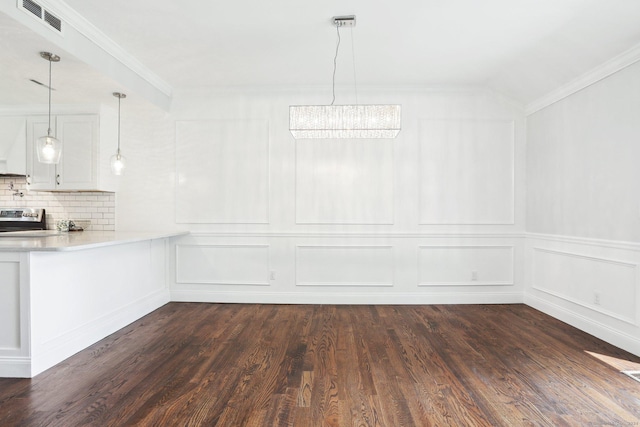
{"x":191,"y":364}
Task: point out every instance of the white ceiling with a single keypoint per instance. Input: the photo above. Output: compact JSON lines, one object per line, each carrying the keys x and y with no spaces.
{"x":521,"y":48}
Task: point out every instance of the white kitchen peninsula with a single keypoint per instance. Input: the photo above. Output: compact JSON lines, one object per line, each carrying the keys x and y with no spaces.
{"x":61,"y":292}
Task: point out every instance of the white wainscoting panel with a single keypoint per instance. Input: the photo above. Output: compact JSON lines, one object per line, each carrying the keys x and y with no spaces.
{"x":344,"y":181}
{"x":9,"y":304}
{"x":601,"y":284}
{"x":456,"y":265}
{"x":223,"y":264}
{"x":222,"y":171}
{"x":344,"y":266}
{"x":467,"y":171}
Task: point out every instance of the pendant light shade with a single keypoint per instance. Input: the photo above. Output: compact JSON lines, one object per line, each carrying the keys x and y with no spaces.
{"x":48,"y":147}
{"x":344,"y":121}
{"x":118,"y":161}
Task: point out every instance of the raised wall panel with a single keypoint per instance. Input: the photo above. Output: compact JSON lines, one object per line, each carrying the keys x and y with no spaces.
{"x":344,"y":266}
{"x":9,"y":305}
{"x":579,"y":278}
{"x":222,"y":171}
{"x":467,"y":171}
{"x":223,"y":264}
{"x":344,"y":181}
{"x":455,"y":265}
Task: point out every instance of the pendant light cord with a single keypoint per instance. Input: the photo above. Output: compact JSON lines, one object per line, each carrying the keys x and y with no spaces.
{"x":49,"y":125}
{"x":335,"y":65}
{"x":119,"y":101}
{"x":353,"y":55}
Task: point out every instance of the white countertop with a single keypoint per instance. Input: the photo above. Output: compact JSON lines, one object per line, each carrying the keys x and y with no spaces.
{"x":51,"y":240}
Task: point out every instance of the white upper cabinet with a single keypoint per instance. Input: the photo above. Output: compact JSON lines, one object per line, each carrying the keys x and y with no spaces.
{"x":87,"y":143}
{"x":13,"y":145}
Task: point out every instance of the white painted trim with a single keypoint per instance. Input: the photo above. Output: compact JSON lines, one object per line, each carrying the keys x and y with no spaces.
{"x":15,"y":367}
{"x":378,"y":235}
{"x":342,"y":222}
{"x":588,"y":257}
{"x":592,"y":307}
{"x":612,"y":66}
{"x":613,"y":244}
{"x":512,"y":282}
{"x":338,"y":284}
{"x":62,"y":347}
{"x":357,"y":298}
{"x":513,"y":170}
{"x":604,"y":332}
{"x":72,"y":18}
{"x":630,"y":320}
{"x":343,"y":285}
{"x":204,"y":282}
{"x":468,"y":283}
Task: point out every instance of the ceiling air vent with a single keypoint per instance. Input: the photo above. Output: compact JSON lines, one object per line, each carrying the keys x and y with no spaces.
{"x":52,"y":20}
{"x":32,"y":7}
{"x":43,"y":15}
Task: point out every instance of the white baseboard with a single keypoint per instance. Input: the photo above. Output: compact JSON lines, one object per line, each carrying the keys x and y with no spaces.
{"x":604,"y":332}
{"x":346,"y":298}
{"x":68,"y":344}
{"x":15,"y":367}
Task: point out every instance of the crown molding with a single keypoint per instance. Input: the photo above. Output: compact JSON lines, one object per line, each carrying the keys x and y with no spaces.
{"x":612,"y":66}
{"x":72,"y":18}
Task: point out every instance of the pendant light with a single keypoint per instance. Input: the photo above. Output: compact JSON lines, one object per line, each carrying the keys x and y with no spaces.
{"x":344,"y":121}
{"x":118,"y":160}
{"x":49,"y":148}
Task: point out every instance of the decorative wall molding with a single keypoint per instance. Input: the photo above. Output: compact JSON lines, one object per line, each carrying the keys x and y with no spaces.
{"x":613,"y":244}
{"x":250,"y":264}
{"x":462,"y":139}
{"x":469,"y":268}
{"x":344,"y":265}
{"x":601,"y":72}
{"x":344,"y":184}
{"x":223,"y":171}
{"x":589,"y":306}
{"x":632,"y":320}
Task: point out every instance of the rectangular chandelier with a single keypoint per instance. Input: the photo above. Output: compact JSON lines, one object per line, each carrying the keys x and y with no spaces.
{"x":344,"y":121}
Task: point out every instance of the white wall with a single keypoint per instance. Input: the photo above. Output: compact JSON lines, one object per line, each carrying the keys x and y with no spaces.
{"x":583,"y":171}
{"x":273,"y":219}
{"x":583,"y":209}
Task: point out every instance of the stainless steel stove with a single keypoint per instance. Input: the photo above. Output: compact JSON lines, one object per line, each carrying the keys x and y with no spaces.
{"x":21,"y":219}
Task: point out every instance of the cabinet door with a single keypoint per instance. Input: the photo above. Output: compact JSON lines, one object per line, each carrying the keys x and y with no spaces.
{"x":77,"y":167}
{"x":40,"y":176}
{"x":13,"y":145}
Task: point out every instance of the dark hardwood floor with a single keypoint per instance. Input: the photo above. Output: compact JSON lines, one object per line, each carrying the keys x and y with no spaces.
{"x":190,"y":364}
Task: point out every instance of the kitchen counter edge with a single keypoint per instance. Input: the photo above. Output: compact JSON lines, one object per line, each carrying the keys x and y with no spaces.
{"x":75,"y":241}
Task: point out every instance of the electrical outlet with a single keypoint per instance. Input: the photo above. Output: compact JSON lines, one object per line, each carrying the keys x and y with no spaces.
{"x":596,"y":298}
{"x":474,"y":276}
{"x":272,"y":275}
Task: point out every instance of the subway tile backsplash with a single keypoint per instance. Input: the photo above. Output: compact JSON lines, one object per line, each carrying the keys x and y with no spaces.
{"x":97,"y":207}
